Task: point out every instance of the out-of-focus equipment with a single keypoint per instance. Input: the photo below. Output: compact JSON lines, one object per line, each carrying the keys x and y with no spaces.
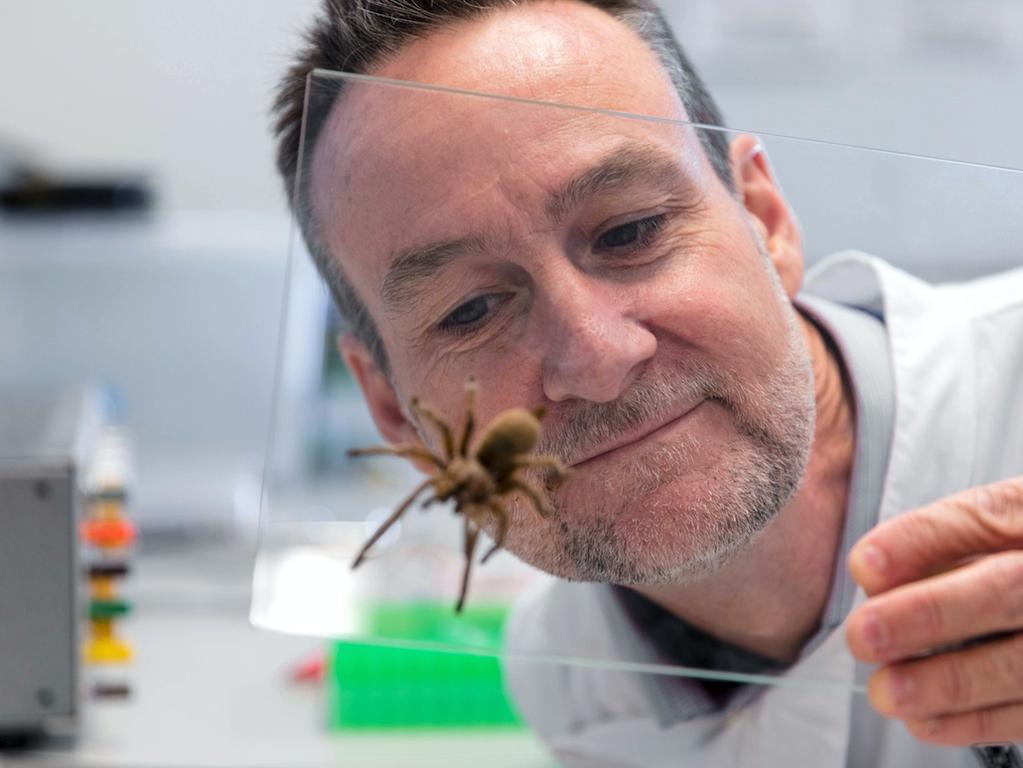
{"x":27,"y":187}
{"x":40,"y":194}
{"x":107,"y":537}
{"x":63,"y":475}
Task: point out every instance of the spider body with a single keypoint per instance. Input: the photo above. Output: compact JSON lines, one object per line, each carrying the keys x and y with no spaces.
{"x":511,"y":435}
{"x":480,"y":483}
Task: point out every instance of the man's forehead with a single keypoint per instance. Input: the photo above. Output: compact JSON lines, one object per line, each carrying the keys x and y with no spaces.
{"x":482,"y":175}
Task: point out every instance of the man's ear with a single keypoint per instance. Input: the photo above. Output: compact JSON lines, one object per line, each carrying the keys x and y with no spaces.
{"x":759,"y":193}
{"x":383,"y":402}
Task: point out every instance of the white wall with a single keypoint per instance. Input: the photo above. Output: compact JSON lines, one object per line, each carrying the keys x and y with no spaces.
{"x":177,"y":88}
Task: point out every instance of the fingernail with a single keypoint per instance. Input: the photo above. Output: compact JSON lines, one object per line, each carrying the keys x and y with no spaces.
{"x":874,"y":558}
{"x":875,"y":632}
{"x":901,"y":686}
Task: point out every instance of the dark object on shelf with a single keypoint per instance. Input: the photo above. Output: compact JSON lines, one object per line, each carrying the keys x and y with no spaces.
{"x":108,"y":570}
{"x":35,"y":194}
{"x":110,"y":691}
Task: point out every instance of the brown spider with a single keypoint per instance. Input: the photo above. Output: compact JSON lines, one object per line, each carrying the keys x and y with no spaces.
{"x":479,"y":482}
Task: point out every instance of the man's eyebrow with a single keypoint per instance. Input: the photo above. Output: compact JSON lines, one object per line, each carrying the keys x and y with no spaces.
{"x":414,"y":266}
{"x":626,"y":165}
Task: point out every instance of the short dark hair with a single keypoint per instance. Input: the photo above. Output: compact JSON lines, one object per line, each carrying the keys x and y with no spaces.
{"x":355,"y":35}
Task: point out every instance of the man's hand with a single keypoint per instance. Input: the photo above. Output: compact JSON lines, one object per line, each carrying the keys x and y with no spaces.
{"x":944,"y":615}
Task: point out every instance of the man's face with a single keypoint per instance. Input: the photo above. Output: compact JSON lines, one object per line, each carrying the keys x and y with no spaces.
{"x":592,"y":264}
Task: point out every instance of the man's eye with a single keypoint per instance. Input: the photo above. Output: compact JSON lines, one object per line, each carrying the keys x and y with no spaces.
{"x":468,"y":315}
{"x":633,"y":234}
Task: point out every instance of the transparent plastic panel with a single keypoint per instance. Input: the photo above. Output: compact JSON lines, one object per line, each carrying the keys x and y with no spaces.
{"x":592,"y":337}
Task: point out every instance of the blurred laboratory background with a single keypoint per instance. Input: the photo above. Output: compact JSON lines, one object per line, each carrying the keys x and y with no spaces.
{"x":144,"y":242}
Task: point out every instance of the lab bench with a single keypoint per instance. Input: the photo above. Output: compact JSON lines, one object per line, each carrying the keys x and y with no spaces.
{"x":207,"y":689}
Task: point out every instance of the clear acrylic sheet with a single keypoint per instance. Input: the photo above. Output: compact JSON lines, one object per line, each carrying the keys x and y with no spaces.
{"x":407,"y":165}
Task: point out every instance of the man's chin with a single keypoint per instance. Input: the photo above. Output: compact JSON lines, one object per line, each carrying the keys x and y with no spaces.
{"x":671,"y":511}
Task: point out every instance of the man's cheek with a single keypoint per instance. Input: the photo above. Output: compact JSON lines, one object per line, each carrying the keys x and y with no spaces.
{"x":701,"y":307}
{"x":724,"y":297}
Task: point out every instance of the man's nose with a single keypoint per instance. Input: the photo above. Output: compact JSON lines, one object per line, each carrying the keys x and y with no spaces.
{"x":594,"y":347}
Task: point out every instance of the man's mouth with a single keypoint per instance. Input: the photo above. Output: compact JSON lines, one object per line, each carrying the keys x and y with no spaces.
{"x":634,"y":436}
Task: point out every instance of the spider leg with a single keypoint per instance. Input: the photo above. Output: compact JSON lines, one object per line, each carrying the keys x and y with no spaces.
{"x":439,"y":423}
{"x":551,"y":464}
{"x":530,"y":493}
{"x":554,"y":472}
{"x":391,"y":520}
{"x":470,"y":415}
{"x":404,"y":451}
{"x":502,"y":529}
{"x":471,"y":534}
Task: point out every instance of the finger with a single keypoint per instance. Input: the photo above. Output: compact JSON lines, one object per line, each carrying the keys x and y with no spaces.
{"x":979,"y":677}
{"x":978,"y":599}
{"x":918,"y":543}
{"x":994,"y":725}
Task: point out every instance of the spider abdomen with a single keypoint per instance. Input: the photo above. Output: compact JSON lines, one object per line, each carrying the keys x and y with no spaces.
{"x":511,"y":435}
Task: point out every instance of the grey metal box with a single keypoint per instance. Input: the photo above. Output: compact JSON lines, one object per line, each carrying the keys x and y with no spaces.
{"x":44,"y":442}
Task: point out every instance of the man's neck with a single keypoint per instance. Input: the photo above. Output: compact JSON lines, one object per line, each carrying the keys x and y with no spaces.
{"x":769,"y":599}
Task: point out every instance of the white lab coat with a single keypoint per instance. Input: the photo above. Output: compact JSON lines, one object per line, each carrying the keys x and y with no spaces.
{"x":957,"y":358}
